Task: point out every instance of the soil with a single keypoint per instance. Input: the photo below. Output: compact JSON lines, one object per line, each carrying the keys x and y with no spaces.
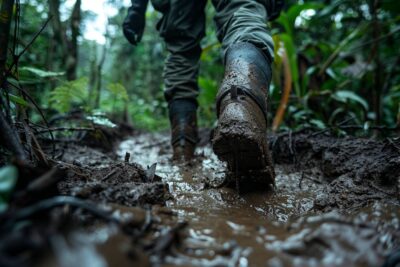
{"x":335,"y":203}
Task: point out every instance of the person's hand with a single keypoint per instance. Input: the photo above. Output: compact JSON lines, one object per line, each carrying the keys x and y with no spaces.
{"x":131,"y":35}
{"x":135,"y":21}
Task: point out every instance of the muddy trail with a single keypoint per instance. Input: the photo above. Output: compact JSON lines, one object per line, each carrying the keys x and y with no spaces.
{"x":336,"y":203}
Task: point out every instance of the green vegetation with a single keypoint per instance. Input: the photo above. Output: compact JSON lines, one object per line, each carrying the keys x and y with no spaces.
{"x":334,"y":60}
{"x":8,"y":179}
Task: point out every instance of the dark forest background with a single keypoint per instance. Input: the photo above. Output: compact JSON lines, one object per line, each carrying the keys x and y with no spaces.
{"x":336,"y":65}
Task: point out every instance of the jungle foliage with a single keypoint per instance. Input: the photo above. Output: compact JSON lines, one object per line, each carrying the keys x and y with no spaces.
{"x":336,"y":65}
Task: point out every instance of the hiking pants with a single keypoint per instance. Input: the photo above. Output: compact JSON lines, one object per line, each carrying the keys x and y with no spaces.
{"x":183,"y":26}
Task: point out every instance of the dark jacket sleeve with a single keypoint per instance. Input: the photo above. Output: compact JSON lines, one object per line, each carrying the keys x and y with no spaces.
{"x":134,"y":23}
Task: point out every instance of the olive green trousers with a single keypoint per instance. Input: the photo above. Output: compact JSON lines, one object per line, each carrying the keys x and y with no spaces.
{"x":183,"y":27}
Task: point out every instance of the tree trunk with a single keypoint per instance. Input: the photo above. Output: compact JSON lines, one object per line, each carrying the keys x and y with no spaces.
{"x":67,"y":47}
{"x":5,"y":24}
{"x":99,"y":75}
{"x":72,"y":52}
{"x":9,"y":138}
{"x":93,"y":78}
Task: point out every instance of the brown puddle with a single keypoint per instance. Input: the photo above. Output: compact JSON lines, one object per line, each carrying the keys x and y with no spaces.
{"x":281,"y":228}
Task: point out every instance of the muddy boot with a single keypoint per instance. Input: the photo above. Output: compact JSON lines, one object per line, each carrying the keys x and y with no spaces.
{"x":183,"y":119}
{"x":240,"y":137}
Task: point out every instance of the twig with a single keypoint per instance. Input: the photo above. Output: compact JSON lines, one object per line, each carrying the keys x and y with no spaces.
{"x":166,"y":240}
{"x":147,"y":222}
{"x":393,"y":144}
{"x":25,"y":94}
{"x":50,"y":203}
{"x":313,"y":180}
{"x":301,"y":179}
{"x":127,"y":157}
{"x":28,"y":137}
{"x":375,"y":40}
{"x":72,"y":167}
{"x":61,"y":129}
{"x":329,"y":129}
{"x":11,"y":140}
{"x":17,"y":57}
{"x":376,"y":127}
{"x":381,"y":190}
{"x":155,"y":144}
{"x":339,"y":48}
{"x":111,"y":173}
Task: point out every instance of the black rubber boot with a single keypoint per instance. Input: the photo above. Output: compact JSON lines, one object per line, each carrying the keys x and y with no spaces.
{"x":240,"y":138}
{"x":183,"y":119}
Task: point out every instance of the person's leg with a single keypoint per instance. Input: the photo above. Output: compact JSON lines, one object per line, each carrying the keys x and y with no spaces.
{"x":240,"y":137}
{"x":182,"y":27}
{"x":244,"y":21}
{"x":180,"y":75}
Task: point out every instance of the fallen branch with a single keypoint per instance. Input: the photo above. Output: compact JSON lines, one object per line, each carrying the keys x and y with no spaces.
{"x":11,"y":140}
{"x":166,"y":240}
{"x":25,"y":94}
{"x":376,"y":127}
{"x":67,"y":129}
{"x":330,"y":128}
{"x":51,"y":203}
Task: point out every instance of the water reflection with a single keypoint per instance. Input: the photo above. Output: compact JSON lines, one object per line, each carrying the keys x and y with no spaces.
{"x":279,"y":228}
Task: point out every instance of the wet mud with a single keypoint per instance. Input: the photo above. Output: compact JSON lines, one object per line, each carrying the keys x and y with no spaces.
{"x":335,"y":203}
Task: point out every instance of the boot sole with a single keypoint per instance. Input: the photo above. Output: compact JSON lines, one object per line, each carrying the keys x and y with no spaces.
{"x":248,"y":158}
{"x":240,"y":147}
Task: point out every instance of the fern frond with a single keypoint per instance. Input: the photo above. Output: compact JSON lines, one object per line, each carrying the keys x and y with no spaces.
{"x":69,"y":93}
{"x":118,"y":91}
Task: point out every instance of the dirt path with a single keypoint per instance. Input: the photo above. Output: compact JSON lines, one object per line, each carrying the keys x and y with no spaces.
{"x":289,"y":227}
{"x":336,"y":203}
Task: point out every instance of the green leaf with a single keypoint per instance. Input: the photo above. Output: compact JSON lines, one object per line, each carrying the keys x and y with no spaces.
{"x":18,"y":100}
{"x":295,"y":10}
{"x":8,"y":179}
{"x":65,"y":95}
{"x":208,"y":91}
{"x":287,"y":19}
{"x":3,"y":206}
{"x":284,"y":21}
{"x":42,"y":73}
{"x":118,"y":90}
{"x":100,"y":120}
{"x":206,"y":50}
{"x":345,"y":96}
{"x":292,"y":56}
{"x":318,"y":123}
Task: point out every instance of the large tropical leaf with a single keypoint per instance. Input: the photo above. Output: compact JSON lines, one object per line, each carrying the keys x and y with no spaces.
{"x":41,"y":73}
{"x":346,"y":96}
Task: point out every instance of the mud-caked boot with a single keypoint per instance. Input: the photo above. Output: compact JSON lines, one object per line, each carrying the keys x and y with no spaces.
{"x":240,"y":136}
{"x":184,"y":137}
